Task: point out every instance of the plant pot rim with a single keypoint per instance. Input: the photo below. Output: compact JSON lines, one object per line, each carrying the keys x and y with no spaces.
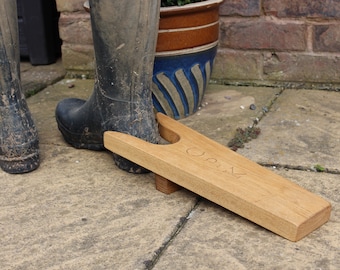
{"x":187,"y":51}
{"x":188,"y":7}
{"x":86,"y":6}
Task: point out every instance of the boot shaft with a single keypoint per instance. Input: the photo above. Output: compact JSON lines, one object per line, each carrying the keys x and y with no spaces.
{"x":10,"y":86}
{"x":125,"y":36}
{"x":9,"y":44}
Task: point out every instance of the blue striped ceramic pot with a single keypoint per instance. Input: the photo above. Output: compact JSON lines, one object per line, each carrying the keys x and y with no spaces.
{"x":179,"y":81}
{"x":186,"y":49}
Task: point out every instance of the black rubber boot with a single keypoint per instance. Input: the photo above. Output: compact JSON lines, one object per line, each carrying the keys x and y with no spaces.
{"x":124,"y":36}
{"x":19,"y":146}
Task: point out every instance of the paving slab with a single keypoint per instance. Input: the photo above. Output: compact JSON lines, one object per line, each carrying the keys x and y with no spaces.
{"x":215,"y":238}
{"x":36,"y":78}
{"x":78,"y":211}
{"x":301,"y":129}
{"x":226,"y":108}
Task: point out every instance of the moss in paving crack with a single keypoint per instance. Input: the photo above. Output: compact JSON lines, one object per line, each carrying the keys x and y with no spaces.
{"x":319,"y":168}
{"x":32,"y":89}
{"x":30,"y":93}
{"x":243,"y":136}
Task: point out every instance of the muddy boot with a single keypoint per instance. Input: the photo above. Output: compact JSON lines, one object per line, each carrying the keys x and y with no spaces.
{"x":19,"y":151}
{"x":124,"y":36}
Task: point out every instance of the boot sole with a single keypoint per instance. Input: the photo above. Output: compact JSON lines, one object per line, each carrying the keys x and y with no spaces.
{"x":25,"y":165}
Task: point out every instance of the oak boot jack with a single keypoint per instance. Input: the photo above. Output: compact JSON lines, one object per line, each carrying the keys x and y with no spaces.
{"x":124,"y":36}
{"x":19,"y":144}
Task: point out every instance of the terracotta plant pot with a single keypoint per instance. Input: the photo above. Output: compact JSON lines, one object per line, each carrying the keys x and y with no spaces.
{"x":186,"y":49}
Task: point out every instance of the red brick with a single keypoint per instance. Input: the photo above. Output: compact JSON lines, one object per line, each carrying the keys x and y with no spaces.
{"x":302,"y":8}
{"x":237,"y":65}
{"x":75,"y":28}
{"x":301,"y":68}
{"x":263,"y":34}
{"x":240,"y":7}
{"x":326,"y":38}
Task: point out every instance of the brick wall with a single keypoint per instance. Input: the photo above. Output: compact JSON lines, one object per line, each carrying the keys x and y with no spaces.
{"x":279,"y":41}
{"x":75,"y":32}
{"x":292,"y":42}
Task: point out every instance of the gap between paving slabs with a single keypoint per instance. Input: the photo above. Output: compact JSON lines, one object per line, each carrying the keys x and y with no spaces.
{"x":247,"y":134}
{"x":149,"y":264}
{"x":243,"y":136}
{"x":300,"y":134}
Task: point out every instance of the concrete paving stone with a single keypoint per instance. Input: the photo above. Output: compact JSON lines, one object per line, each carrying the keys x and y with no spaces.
{"x":36,"y":78}
{"x":215,"y":238}
{"x":225,"y":108}
{"x":301,"y":129}
{"x":78,"y":210}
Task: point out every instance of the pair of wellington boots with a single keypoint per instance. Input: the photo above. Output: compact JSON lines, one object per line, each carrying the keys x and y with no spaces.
{"x":124,"y":37}
{"x":19,"y":144}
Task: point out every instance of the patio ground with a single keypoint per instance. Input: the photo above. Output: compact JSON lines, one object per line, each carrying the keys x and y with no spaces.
{"x":79,"y":211}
